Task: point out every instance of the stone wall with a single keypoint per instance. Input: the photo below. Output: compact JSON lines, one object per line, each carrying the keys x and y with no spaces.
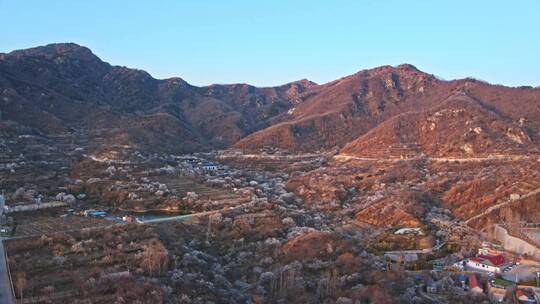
{"x":533,"y":234}
{"x":32,"y":207}
{"x":515,"y":244}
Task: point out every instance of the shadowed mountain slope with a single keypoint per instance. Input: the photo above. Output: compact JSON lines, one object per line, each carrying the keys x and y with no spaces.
{"x":65,"y":87}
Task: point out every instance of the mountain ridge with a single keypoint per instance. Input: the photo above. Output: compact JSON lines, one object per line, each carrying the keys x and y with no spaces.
{"x":65,"y":87}
{"x":353,"y":105}
{"x":72,"y":80}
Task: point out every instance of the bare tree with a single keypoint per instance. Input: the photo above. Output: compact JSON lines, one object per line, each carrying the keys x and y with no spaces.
{"x":154,"y":257}
{"x":20,"y":281}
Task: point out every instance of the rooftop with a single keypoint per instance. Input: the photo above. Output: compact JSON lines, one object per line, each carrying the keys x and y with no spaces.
{"x":492,"y":260}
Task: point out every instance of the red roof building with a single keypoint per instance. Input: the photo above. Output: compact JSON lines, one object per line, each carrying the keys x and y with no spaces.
{"x":491,"y":263}
{"x":492,"y":260}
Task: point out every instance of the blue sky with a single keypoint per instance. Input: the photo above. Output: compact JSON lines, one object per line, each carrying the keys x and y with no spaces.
{"x":273,"y":42}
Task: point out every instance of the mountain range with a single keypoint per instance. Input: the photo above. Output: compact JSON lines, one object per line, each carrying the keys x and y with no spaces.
{"x":65,"y":88}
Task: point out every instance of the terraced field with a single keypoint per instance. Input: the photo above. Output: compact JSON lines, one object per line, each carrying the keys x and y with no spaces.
{"x":57,"y":224}
{"x":95,"y":264}
{"x":273,"y":163}
{"x":181,"y":185}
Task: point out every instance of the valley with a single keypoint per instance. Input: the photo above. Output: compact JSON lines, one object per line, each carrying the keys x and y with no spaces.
{"x":386,"y":186}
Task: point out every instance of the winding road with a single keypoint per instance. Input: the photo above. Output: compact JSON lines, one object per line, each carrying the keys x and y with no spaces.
{"x":345,"y":157}
{"x":500,"y":205}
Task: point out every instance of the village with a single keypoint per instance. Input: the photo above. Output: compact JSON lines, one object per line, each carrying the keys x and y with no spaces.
{"x":121,"y":188}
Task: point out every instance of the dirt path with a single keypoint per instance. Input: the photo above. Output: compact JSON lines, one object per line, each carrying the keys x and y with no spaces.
{"x":500,"y":205}
{"x":417,"y":251}
{"x":344,"y":157}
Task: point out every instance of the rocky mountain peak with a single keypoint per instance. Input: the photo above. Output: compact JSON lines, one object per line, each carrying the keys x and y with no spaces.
{"x":52,"y":51}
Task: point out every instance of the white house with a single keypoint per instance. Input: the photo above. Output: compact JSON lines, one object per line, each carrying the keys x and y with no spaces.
{"x":209,"y":167}
{"x":417,"y":231}
{"x":488,"y":263}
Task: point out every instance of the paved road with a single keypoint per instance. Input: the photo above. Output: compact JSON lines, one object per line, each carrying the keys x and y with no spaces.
{"x":188,"y":217}
{"x":170,"y":218}
{"x":5,"y":284}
